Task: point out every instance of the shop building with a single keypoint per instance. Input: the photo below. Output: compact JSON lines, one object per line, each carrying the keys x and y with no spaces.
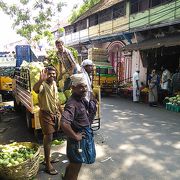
{"x":138,"y":34}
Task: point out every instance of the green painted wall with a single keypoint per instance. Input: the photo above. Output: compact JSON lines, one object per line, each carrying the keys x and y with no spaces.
{"x":157,"y":15}
{"x":177,"y":12}
{"x":162,"y":13}
{"x":139,"y":19}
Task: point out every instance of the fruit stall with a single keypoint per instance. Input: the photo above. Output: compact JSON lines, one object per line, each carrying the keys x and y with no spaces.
{"x":173,"y":103}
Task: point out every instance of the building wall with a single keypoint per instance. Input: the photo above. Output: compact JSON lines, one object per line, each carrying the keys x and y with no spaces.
{"x":177,"y":14}
{"x":161,"y":14}
{"x":137,"y":64}
{"x":166,"y":13}
{"x":103,"y":29}
{"x":120,"y":24}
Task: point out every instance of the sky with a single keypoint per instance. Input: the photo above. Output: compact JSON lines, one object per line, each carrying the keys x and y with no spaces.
{"x":8,"y":35}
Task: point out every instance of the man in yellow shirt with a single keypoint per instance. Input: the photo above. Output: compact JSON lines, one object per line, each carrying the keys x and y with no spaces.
{"x":50,"y":111}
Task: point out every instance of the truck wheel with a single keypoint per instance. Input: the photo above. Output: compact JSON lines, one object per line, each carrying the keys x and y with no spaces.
{"x":29,"y":120}
{"x":17,"y":107}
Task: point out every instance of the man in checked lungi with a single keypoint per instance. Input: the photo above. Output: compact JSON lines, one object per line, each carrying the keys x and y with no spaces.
{"x":76,"y":123}
{"x":50,"y":111}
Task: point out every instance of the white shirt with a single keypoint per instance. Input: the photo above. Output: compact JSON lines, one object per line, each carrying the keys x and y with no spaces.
{"x":135,"y":78}
{"x":166,"y":75}
{"x":88,"y":83}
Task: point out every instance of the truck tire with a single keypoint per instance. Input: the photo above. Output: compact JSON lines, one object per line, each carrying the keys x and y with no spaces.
{"x":29,"y":120}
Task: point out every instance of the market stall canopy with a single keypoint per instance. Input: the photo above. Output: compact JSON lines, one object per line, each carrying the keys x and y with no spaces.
{"x":153,"y":43}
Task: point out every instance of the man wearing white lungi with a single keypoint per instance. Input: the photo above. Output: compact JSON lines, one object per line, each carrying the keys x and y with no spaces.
{"x":136,"y":86}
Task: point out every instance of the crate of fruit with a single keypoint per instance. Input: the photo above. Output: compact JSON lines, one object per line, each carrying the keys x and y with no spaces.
{"x":19,"y":161}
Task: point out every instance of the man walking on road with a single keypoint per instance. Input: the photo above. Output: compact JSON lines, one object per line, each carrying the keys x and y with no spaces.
{"x":76,"y":123}
{"x":50,"y":111}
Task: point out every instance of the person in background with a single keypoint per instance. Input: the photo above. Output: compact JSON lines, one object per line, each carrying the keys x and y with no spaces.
{"x":136,"y":86}
{"x":50,"y":111}
{"x":176,"y":82}
{"x":153,"y":83}
{"x":67,"y":62}
{"x":165,"y":79}
{"x":76,"y":123}
{"x":87,"y":68}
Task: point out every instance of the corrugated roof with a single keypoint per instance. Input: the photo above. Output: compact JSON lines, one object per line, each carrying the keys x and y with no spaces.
{"x":103,"y":4}
{"x":154,"y":43}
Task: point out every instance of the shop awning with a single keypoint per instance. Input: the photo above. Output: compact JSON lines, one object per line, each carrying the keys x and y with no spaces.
{"x":153,"y":43}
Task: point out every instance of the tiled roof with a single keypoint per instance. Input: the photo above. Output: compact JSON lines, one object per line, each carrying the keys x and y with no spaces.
{"x":103,"y":4}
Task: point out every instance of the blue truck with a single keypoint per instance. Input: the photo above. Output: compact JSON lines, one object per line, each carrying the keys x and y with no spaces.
{"x":24,"y":53}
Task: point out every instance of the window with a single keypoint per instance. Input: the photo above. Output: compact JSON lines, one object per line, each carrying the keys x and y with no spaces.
{"x":68,"y":30}
{"x":158,"y":2}
{"x":119,"y":10}
{"x":134,"y":6}
{"x":138,"y":6}
{"x":83,"y":24}
{"x":105,"y":15}
{"x":166,"y":1}
{"x":155,"y":2}
{"x":75,"y":28}
{"x":143,"y":5}
{"x":93,"y":20}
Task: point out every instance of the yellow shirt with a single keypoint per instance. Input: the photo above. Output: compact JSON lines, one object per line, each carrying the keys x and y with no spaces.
{"x":48,"y":97}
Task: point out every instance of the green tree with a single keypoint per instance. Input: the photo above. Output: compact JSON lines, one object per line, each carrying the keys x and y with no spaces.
{"x":32,"y":18}
{"x":77,"y":12}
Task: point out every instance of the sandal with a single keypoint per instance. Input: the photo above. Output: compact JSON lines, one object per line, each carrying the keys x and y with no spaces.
{"x":55,"y":160}
{"x":51,"y":171}
{"x":52,"y":161}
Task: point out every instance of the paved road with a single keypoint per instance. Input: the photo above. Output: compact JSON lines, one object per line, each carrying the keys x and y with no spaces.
{"x":135,"y":142}
{"x":143,"y":143}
